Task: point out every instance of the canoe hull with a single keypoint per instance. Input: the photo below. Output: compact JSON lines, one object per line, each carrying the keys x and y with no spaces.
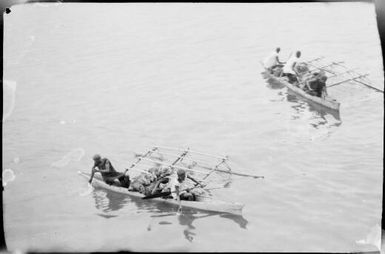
{"x":328,"y":102}
{"x":204,"y":204}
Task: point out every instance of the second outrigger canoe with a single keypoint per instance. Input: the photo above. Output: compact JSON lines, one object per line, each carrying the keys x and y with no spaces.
{"x":327,"y":102}
{"x":204,"y":204}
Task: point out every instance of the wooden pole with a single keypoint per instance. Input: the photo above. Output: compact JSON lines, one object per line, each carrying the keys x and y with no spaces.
{"x":319,"y":68}
{"x":372,"y":87}
{"x":339,"y":74}
{"x":194,"y":170}
{"x":174,"y":166}
{"x":142,"y":156}
{"x":315,"y":59}
{"x":346,"y":80}
{"x":177,"y":149}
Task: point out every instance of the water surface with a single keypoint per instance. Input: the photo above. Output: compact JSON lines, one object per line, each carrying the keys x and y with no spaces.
{"x":116,"y":79}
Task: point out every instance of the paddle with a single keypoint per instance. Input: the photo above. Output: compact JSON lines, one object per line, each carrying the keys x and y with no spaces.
{"x":92,"y":176}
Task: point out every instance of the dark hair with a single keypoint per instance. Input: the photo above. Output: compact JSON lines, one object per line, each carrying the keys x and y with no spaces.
{"x":298,"y":53}
{"x":96,"y":157}
{"x":278,"y":49}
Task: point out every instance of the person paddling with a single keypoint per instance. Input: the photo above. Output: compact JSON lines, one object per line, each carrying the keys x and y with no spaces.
{"x":272,"y":60}
{"x":108,"y":172}
{"x":289,"y":68}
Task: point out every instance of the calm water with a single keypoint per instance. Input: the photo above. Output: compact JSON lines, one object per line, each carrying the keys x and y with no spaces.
{"x":115,"y":79}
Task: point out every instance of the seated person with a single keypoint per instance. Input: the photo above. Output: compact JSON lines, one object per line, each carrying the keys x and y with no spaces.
{"x":178,"y":187}
{"x":109,"y":174}
{"x":289,"y":69}
{"x":316,"y":85}
{"x":272,"y":61}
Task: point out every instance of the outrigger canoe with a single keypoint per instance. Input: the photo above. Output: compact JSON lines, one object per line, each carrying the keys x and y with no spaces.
{"x":204,"y":204}
{"x":327,"y":102}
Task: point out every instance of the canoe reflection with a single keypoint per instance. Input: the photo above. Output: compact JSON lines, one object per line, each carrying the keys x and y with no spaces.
{"x":290,"y":96}
{"x":108,"y":201}
{"x":317,"y":110}
{"x":273,"y":84}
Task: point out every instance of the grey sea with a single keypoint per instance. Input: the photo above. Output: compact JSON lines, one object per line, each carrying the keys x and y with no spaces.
{"x":116,"y":79}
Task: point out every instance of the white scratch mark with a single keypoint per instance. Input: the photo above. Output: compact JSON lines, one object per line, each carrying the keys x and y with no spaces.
{"x":9,"y":91}
{"x":373,"y":237}
{"x":58,"y":2}
{"x":16,"y":160}
{"x":18,"y":251}
{"x":74,"y":155}
{"x":8,"y":176}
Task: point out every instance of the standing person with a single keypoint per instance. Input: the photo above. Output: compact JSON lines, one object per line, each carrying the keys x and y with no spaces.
{"x":272,"y":61}
{"x":288,"y":69}
{"x":109,"y":174}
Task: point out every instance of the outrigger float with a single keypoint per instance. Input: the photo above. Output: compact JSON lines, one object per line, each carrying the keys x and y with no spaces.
{"x":192,"y":166}
{"x":333,"y":71}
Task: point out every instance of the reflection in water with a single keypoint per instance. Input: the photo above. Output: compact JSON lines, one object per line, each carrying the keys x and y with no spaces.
{"x":74,"y":155}
{"x":300,"y":106}
{"x":273,"y":84}
{"x":108,"y":201}
{"x":321,"y":119}
{"x":317,"y":110}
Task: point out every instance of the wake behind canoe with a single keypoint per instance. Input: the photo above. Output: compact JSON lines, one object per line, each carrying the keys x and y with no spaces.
{"x":204,"y":204}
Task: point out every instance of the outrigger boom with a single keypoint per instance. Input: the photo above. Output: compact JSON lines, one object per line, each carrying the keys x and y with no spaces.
{"x":141,"y":157}
{"x":333,"y":73}
{"x":174,"y":166}
{"x":315,"y":59}
{"x":223,"y":159}
{"x":350,"y":79}
{"x":198,"y":171}
{"x":190,"y":151}
{"x":356,"y":79}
